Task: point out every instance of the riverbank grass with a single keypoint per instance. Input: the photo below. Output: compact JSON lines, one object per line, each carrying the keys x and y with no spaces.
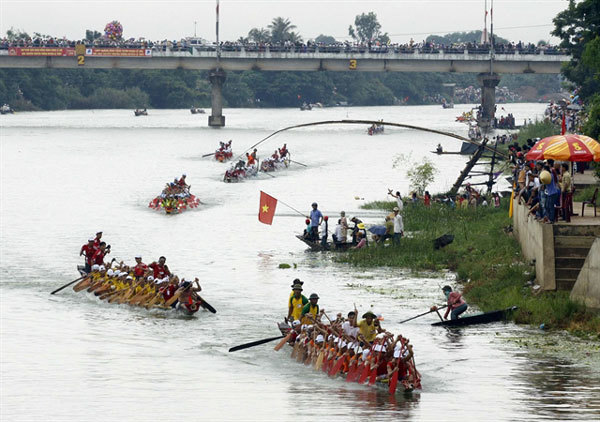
{"x":486,"y":258}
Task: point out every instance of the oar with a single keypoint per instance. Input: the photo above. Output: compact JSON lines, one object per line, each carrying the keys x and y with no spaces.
{"x":68,"y":284}
{"x":282,"y":342}
{"x":206,"y":305}
{"x":298,"y":163}
{"x":254,"y":343}
{"x":208,"y":155}
{"x":420,"y":315}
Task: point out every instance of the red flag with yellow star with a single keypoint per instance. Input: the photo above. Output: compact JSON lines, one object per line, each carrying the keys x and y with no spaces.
{"x":266,"y":210}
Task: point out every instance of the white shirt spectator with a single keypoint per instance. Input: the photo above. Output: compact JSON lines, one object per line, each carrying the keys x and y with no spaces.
{"x":398,"y":224}
{"x":338,"y":232}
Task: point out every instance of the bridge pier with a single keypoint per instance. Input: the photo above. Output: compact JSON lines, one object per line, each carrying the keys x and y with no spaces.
{"x":217,"y":79}
{"x":488,"y":83}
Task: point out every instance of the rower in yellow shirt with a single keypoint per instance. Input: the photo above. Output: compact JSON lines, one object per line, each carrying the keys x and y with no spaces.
{"x":296,"y":303}
{"x":369,"y":326}
{"x":311,"y":308}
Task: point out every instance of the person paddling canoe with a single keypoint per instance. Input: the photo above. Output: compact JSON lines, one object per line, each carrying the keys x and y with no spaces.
{"x":456,"y":303}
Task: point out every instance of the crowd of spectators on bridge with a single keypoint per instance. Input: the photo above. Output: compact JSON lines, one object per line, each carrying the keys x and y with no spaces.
{"x":186,"y":44}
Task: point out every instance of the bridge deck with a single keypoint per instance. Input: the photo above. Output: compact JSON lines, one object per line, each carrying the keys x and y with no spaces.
{"x":304,"y":61}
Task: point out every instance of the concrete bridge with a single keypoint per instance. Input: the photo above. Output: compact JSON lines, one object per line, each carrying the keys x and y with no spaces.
{"x":414,"y":60}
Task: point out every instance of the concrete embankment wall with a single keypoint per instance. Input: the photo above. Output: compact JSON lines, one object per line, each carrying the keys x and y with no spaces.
{"x":587,"y":287}
{"x":537,"y":242}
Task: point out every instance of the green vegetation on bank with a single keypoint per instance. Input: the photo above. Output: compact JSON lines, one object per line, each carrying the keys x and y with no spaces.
{"x":487,"y":261}
{"x":57,"y":89}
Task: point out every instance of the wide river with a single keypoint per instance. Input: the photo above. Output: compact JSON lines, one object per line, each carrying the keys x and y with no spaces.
{"x":66,"y":175}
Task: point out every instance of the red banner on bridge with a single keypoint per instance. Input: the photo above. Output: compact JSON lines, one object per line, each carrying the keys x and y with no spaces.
{"x":119,"y":52}
{"x":40,"y":51}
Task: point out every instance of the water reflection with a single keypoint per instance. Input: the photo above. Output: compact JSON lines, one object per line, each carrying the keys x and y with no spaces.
{"x":363,"y":401}
{"x":554,"y":387}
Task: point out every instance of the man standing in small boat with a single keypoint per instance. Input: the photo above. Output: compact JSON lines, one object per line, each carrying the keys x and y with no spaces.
{"x":456,"y":304}
{"x":316,"y":218}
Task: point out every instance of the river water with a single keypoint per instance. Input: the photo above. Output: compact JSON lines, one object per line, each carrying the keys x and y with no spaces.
{"x":66,"y":175}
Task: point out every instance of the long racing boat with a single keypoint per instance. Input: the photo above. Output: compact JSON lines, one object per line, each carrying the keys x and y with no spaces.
{"x":392,"y":369}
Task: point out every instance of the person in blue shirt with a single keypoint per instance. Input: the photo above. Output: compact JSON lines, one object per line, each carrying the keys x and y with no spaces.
{"x":316,"y":218}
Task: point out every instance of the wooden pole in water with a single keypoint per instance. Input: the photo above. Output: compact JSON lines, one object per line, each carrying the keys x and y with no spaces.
{"x":468,"y":167}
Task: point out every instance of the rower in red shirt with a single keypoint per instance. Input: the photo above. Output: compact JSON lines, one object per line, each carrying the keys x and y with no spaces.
{"x":251,"y":159}
{"x":181,"y":181}
{"x":283,"y":151}
{"x":87,"y":251}
{"x":98,"y":257}
{"x":160,"y":269}
{"x":97,"y":241}
{"x":140,"y":268}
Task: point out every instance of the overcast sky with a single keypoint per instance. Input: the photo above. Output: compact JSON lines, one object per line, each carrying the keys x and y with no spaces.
{"x":526,"y":20}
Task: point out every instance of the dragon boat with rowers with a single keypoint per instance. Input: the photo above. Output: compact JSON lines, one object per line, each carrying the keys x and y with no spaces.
{"x":280,"y":159}
{"x":224,"y":153}
{"x":175,"y":197}
{"x":149,"y":286}
{"x":358,"y":351}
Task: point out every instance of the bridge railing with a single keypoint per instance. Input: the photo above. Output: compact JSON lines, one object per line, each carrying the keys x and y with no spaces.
{"x":307,"y":48}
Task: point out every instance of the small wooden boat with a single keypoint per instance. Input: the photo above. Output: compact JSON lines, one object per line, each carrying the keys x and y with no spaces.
{"x":483,"y":318}
{"x":446,"y":152}
{"x":327,"y":246}
{"x":139,"y":112}
{"x":447,"y":105}
{"x":195,"y":110}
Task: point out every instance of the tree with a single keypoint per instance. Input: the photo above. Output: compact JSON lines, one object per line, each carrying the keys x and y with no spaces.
{"x":259,"y":35}
{"x":577,"y":26}
{"x":367,"y":29}
{"x":420,"y":174}
{"x":294,"y":37}
{"x":16,"y":34}
{"x":325,"y":39}
{"x":280,"y":29}
{"x":91,"y":35}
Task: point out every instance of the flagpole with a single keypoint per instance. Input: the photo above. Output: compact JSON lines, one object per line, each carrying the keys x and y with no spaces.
{"x":492,"y":38}
{"x":290,"y":207}
{"x":217,"y":30}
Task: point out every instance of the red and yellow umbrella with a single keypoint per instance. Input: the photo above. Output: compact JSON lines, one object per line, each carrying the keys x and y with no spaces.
{"x":565,"y":148}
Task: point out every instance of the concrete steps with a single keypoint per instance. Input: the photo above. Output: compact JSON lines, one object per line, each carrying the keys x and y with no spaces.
{"x":571,"y":246}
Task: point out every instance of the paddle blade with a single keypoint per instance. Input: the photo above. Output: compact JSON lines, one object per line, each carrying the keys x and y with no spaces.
{"x":325,"y":366}
{"x":365,"y":374}
{"x":393,"y":383}
{"x":207,"y":305}
{"x":336,"y":367}
{"x":319,"y":362}
{"x":282,"y":342}
{"x":254,"y":343}
{"x":352,"y":372}
{"x":373,"y":376}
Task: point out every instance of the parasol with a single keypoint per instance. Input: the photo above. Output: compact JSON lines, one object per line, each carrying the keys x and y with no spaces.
{"x":566,"y":148}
